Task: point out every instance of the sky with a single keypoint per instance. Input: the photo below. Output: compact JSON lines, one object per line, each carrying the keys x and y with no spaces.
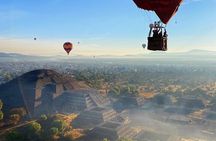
{"x":103,"y":27}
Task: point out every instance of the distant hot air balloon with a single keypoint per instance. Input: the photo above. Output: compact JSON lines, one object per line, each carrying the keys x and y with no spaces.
{"x":144,"y":46}
{"x":68,"y":46}
{"x":35,"y":39}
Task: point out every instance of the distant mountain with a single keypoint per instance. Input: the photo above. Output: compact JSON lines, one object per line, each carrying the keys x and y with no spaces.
{"x":7,"y":57}
{"x":194,"y":54}
{"x":190,"y":55}
{"x":19,"y":57}
{"x":202,"y":52}
{"x":30,"y":89}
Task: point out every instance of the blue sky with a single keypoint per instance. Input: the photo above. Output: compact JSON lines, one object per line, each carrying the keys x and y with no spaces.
{"x":114,"y":27}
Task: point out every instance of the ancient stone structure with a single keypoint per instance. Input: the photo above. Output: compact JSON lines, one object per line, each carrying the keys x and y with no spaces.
{"x":152,"y":136}
{"x":46,"y":91}
{"x":39,"y":91}
{"x":132,"y":101}
{"x":80,"y":100}
{"x":112,"y":131}
{"x":93,"y":117}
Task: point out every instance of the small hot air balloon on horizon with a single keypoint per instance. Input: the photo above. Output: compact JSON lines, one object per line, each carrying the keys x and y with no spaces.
{"x":68,"y":46}
{"x":144,"y":46}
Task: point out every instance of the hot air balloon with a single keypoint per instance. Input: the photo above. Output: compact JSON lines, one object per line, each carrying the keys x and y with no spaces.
{"x":68,"y":46}
{"x":165,"y":10}
{"x":144,"y":46}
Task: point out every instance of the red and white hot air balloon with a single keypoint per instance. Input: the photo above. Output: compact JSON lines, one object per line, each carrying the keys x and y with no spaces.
{"x":68,"y":46}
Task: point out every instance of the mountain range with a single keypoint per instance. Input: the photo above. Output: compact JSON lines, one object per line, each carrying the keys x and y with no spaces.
{"x":193,"y":54}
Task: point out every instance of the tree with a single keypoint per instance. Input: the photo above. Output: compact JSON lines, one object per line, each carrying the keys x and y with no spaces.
{"x":129,"y":90}
{"x":15,"y":118}
{"x":33,"y":131}
{"x":7,"y":76}
{"x":125,"y":90}
{"x":132,"y":89}
{"x":54,"y":131}
{"x":49,"y":134}
{"x":43,"y":117}
{"x":115,"y":91}
{"x":1,"y":115}
{"x":34,"y":128}
{"x":14,"y":136}
{"x":60,"y":124}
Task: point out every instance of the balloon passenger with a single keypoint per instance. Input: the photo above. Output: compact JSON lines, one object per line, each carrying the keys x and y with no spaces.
{"x":157,"y":30}
{"x":155,"y":33}
{"x":157,"y":39}
{"x":165,"y":33}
